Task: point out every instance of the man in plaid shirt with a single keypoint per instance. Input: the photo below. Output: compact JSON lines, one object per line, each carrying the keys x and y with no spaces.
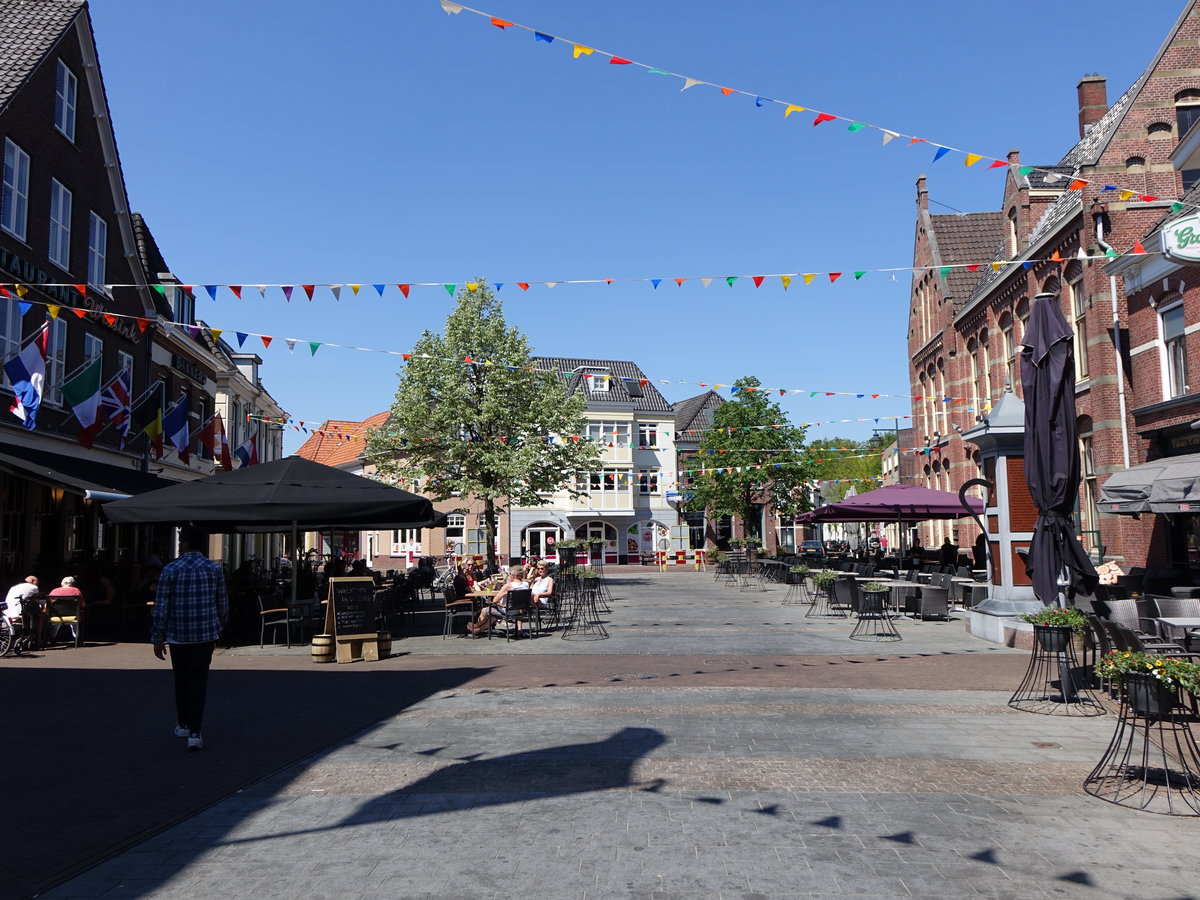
{"x":190,"y":609}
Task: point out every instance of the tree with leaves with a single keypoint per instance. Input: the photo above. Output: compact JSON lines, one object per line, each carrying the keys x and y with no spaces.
{"x":751,"y":455}
{"x":843,"y":463}
{"x":474,"y":417}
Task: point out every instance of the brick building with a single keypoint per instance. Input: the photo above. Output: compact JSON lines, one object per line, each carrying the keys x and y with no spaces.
{"x":1052,"y":234}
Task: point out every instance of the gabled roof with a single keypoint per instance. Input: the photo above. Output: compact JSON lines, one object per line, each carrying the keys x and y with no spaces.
{"x":624,"y":385}
{"x":329,"y":445}
{"x":964,"y":238}
{"x":29,"y":29}
{"x":694,"y":415}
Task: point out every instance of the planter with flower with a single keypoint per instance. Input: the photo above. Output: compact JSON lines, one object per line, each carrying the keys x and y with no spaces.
{"x":1150,"y":683}
{"x":1054,"y":628}
{"x":824,"y":579}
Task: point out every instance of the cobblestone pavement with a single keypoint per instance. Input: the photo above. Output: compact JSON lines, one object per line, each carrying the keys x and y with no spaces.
{"x":702,"y":771}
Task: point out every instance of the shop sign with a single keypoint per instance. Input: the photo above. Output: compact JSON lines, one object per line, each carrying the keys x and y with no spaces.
{"x":187,"y":368}
{"x":1181,"y":239}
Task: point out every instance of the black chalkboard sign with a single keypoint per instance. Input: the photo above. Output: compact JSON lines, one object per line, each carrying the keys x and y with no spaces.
{"x":352,"y":607}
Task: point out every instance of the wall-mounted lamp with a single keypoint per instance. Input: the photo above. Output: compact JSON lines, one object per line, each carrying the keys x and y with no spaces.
{"x":958,"y":428}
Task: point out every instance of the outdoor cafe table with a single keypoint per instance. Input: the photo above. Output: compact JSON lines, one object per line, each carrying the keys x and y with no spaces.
{"x":1186,"y":623}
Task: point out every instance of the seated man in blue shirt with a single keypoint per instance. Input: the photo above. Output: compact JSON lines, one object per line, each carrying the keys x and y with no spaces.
{"x":190,"y":609}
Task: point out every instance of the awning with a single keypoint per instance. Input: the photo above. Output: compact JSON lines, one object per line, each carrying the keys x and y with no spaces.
{"x":77,"y":474}
{"x":1168,"y":485}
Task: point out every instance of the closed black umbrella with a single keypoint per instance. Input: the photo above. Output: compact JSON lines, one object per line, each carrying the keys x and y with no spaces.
{"x":1056,"y":557}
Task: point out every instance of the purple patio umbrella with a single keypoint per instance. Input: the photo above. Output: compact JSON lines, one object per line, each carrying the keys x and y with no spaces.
{"x":894,"y":503}
{"x":1056,"y":558}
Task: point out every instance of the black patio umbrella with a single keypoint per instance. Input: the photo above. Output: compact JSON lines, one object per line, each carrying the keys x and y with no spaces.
{"x":1056,"y":558}
{"x":283,"y":495}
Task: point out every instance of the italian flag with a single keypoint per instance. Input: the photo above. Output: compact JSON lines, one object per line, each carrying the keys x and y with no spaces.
{"x":82,"y":393}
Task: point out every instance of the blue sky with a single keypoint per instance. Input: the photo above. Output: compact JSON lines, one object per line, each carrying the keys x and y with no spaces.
{"x":386,"y":141}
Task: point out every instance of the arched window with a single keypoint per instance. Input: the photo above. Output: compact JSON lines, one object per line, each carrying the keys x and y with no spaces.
{"x":1187,"y":110}
{"x":1135,"y":165}
{"x":1077,"y":306}
{"x":942,"y":419}
{"x":1014,"y":242}
{"x":985,"y":371}
{"x":1009,"y":348}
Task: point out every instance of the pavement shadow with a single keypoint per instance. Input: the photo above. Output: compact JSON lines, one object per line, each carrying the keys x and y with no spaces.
{"x":94,"y":769}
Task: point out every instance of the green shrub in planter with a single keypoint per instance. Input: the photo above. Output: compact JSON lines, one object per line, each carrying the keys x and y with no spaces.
{"x":1056,"y":616}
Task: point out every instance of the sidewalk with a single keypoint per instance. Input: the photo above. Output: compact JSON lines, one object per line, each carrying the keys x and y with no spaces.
{"x":547,"y":768}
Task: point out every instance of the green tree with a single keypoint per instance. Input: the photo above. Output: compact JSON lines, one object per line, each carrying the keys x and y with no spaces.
{"x":757,"y":449}
{"x":473,"y":417}
{"x":841,"y":469}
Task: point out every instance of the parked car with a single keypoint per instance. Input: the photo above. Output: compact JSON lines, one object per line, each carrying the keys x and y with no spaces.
{"x":811,"y":548}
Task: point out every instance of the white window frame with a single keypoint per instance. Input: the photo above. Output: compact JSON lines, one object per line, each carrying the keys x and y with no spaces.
{"x":14,"y":200}
{"x":56,"y":361}
{"x":1170,"y":377}
{"x":66,"y":96}
{"x":60,"y":225}
{"x":10,"y":329}
{"x":125,"y":364}
{"x":97,"y":251}
{"x":93,"y":346}
{"x":648,"y":482}
{"x":648,"y":435}
{"x":597,"y":383}
{"x":605,"y":433}
{"x":183,"y":306}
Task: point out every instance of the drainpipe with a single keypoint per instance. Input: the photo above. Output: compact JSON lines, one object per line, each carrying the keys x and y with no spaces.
{"x":1098,"y":218}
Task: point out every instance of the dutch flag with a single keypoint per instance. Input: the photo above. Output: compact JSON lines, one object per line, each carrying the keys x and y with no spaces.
{"x":27,"y":374}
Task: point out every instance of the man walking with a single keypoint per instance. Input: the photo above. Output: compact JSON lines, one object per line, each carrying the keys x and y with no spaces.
{"x":190,"y":610}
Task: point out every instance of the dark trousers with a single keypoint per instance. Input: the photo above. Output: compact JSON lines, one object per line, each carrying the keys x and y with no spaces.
{"x":190,"y":664}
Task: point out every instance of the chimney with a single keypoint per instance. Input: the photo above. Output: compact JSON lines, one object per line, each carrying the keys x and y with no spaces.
{"x":922,"y":194}
{"x":1093,"y":101}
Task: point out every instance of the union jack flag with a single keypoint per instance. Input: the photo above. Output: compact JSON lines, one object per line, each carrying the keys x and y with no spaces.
{"x":116,"y":399}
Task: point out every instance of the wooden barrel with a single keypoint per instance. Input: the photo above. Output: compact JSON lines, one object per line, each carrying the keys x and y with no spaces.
{"x":385,"y":644}
{"x":322,"y":648}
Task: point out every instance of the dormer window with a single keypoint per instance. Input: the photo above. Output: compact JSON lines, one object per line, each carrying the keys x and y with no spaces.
{"x":596,"y":380}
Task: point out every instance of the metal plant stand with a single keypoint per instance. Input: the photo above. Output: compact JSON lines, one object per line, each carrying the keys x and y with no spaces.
{"x":874,"y":619}
{"x":821,"y":603}
{"x":1054,"y":683}
{"x":797,"y":593}
{"x":583,"y":613}
{"x":1152,"y":762}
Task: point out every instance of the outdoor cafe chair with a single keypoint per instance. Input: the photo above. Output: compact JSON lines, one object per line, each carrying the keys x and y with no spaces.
{"x":278,"y":617}
{"x":516,"y":610}
{"x":934,"y":601}
{"x":65,"y":612}
{"x":456,"y":608}
{"x":1176,"y":608}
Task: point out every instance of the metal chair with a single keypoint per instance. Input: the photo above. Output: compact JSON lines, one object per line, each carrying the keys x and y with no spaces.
{"x":456,"y":608}
{"x":515,"y":610}
{"x":934,"y":601}
{"x":278,"y":617}
{"x":64,"y":612}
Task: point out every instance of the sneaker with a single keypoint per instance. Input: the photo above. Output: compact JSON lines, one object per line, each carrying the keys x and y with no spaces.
{"x":195,"y":742}
{"x":180,"y":731}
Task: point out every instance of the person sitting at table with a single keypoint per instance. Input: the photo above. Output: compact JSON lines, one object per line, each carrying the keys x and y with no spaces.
{"x":17,"y":594}
{"x":948,"y":553}
{"x":542,"y":586}
{"x":516,"y":582}
{"x":463,"y":582}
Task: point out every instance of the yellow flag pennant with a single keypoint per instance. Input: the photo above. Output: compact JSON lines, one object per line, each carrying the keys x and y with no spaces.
{"x":996,"y":266}
{"x":581,"y":50}
{"x":786,"y":279}
{"x":216,"y":333}
{"x":53,"y":310}
{"x":972,"y":158}
{"x":22,"y":290}
{"x":791,"y":109}
{"x":809,"y":276}
{"x":355,"y":287}
{"x":1126,"y":195}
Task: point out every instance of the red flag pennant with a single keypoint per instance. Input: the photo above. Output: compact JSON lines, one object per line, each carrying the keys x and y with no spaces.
{"x":758,"y":280}
{"x":617,"y":61}
{"x":973,"y":268}
{"x":606,"y":281}
{"x":237,"y":290}
{"x":80,"y":312}
{"x":726,"y":91}
{"x":1054,"y":257}
{"x":500,"y":23}
{"x":110,"y":318}
{"x":308,"y":289}
{"x":406,"y":356}
{"x":142,"y":325}
{"x":468,"y":359}
{"x":998,"y":163}
{"x":403,"y":290}
{"x":266,"y":340}
{"x":823,"y":117}
{"x":4,"y":291}
{"x":82,"y":288}
{"x":874,"y":396}
{"x":524,"y":285}
{"x":1077,"y":184}
{"x":1147,"y":198}
{"x":680,"y":281}
{"x":1138,"y":248}
{"x":834,"y":276}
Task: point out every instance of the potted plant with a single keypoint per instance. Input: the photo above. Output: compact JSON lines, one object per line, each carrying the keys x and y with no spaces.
{"x":1151,"y":683}
{"x":824,"y":579}
{"x":1053,"y":627}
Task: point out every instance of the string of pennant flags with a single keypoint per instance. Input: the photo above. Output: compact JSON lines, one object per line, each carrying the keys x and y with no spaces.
{"x":54,"y":310}
{"x":785,"y":279}
{"x":820,"y":117}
